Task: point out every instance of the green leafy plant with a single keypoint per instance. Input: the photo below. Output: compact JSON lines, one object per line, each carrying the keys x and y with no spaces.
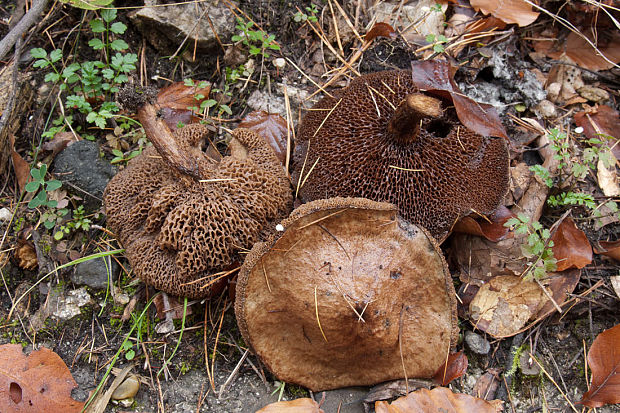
{"x":40,"y":184}
{"x":538,"y":246}
{"x":572,"y":198}
{"x":78,"y":222}
{"x":301,"y":17}
{"x":88,"y":85}
{"x":257,"y":41}
{"x":543,"y":173}
{"x":437,"y":42}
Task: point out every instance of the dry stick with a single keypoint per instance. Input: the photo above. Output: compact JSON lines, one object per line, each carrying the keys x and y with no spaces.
{"x":233,"y":373}
{"x":554,"y":383}
{"x":400,"y":347}
{"x":331,"y":48}
{"x":289,"y":128}
{"x":310,"y":79}
{"x":316,"y":310}
{"x":204,"y":343}
{"x":348,"y":21}
{"x":336,"y":29}
{"x":22,"y":27}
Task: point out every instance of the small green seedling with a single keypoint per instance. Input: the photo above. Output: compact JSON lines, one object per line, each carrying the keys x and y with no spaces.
{"x":537,"y":246}
{"x":39,"y":183}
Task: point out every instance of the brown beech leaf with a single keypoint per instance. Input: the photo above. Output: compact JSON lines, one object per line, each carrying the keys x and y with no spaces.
{"x":514,"y":11}
{"x":175,"y":99}
{"x":604,"y":361}
{"x":571,"y":246}
{"x":61,"y":141}
{"x":579,"y":51}
{"x":380,"y":29}
{"x":439,"y":399}
{"x":601,"y":119}
{"x":454,"y":367}
{"x":305,"y":405}
{"x":436,"y":78}
{"x":272,"y":127}
{"x":491,"y":228}
{"x":610,"y":249}
{"x":559,"y":284}
{"x":505,"y":304}
{"x":39,"y":382}
{"x":20,"y":166}
{"x":487,"y":384}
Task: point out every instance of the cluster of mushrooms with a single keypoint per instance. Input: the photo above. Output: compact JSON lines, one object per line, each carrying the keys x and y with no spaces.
{"x":350,"y":288}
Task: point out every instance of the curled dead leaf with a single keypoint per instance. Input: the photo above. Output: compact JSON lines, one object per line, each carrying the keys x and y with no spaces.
{"x":571,"y":247}
{"x":491,"y":228}
{"x":454,"y":367}
{"x":271,"y":127}
{"x":604,"y":361}
{"x":436,"y":78}
{"x":175,"y":100}
{"x":380,"y":29}
{"x":305,"y":405}
{"x":487,"y":384}
{"x":25,"y":255}
{"x":38,"y":382}
{"x":512,"y":12}
{"x":599,"y":120}
{"x":610,"y":249}
{"x":439,"y":399}
{"x":20,"y":166}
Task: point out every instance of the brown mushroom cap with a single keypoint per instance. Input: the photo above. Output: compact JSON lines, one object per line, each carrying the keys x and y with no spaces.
{"x":379,"y":285}
{"x":382,"y":139}
{"x":177,"y":230}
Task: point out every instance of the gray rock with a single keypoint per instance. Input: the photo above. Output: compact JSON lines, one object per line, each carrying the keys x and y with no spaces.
{"x":127,"y":389}
{"x":348,"y":400}
{"x":5,"y":215}
{"x":166,"y":27}
{"x":66,"y":306}
{"x":83,"y":172}
{"x":94,"y":273}
{"x":477,"y":343}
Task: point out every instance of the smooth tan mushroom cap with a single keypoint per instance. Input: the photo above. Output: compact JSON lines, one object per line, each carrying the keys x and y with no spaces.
{"x":345,"y":258}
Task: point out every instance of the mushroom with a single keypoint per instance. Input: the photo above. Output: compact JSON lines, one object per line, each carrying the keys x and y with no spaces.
{"x":183,"y":217}
{"x":347,"y":293}
{"x":384,"y":139}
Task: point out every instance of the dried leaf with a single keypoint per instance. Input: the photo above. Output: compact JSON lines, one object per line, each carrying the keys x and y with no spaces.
{"x":571,"y":247}
{"x":615,"y":283}
{"x":610,"y":249}
{"x":20,"y":166}
{"x":25,"y":254}
{"x":608,"y":178}
{"x":491,"y":228}
{"x":505,"y":304}
{"x":604,"y":361}
{"x":39,"y":382}
{"x":61,"y":141}
{"x":175,"y":100}
{"x":560,"y":284}
{"x":454,"y":367}
{"x":601,"y":120}
{"x":487,"y":384}
{"x":380,"y":29}
{"x":435,"y":77}
{"x":305,"y":405}
{"x":439,"y":399}
{"x":515,"y":11}
{"x":272,"y":127}
{"x":577,"y":49}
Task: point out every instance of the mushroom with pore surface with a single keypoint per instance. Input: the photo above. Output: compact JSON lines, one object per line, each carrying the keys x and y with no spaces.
{"x":347,"y":294}
{"x":182,"y":216}
{"x":384,"y":139}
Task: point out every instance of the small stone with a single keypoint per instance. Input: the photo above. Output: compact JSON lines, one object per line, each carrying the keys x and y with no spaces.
{"x":477,"y":343}
{"x":594,"y":94}
{"x":546,"y":109}
{"x":279,"y":63}
{"x":5,"y":215}
{"x":127,"y":389}
{"x":68,"y":306}
{"x":529,"y":367}
{"x":82,"y":171}
{"x":94,"y":273}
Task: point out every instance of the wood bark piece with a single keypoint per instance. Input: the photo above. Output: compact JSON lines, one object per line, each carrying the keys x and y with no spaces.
{"x":343,"y":292}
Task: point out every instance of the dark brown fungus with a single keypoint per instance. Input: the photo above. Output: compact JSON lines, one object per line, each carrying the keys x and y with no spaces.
{"x":182,"y":216}
{"x":347,"y":293}
{"x":384,"y":139}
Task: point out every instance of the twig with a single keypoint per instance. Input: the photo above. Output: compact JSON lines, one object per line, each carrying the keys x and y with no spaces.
{"x":22,"y":27}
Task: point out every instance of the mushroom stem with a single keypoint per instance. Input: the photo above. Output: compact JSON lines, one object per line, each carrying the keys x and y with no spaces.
{"x":173,"y":153}
{"x":404,"y":126}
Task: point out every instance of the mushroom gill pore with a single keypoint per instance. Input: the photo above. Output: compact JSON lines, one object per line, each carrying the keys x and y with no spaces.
{"x":343,"y":292}
{"x":182,"y":227}
{"x":382,"y":138}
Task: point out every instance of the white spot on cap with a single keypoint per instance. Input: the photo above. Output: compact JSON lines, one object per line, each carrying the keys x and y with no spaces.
{"x":279,"y":227}
{"x":578,"y":129}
